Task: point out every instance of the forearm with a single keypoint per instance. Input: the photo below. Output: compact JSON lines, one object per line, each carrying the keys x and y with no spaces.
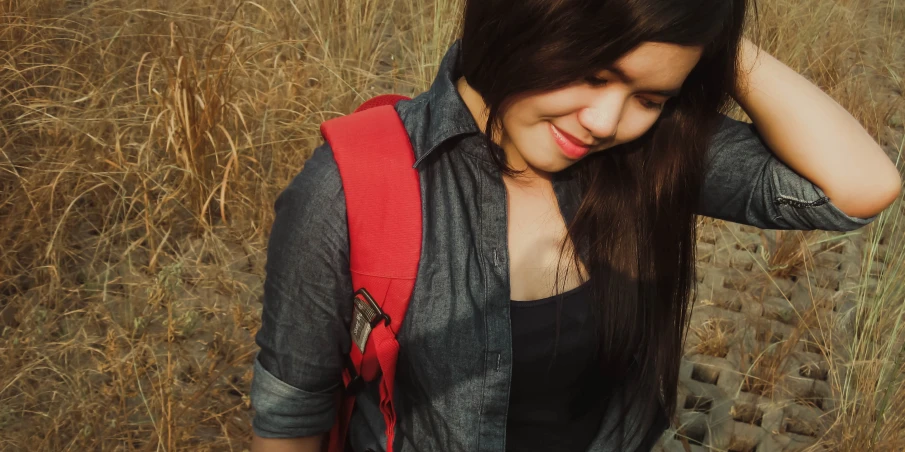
{"x":309,"y":444}
{"x":815,"y":136}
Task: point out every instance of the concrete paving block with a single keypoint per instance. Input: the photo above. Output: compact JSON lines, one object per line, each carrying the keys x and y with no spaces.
{"x":811,"y":365}
{"x":752,"y":399}
{"x":708,"y":369}
{"x":847,"y":313}
{"x":742,"y":260}
{"x":721,"y":424}
{"x":827,"y":278}
{"x":798,"y":443}
{"x":717,"y":309}
{"x":673,"y":445}
{"x":715,"y":411}
{"x":791,"y":386}
{"x":686,"y":367}
{"x":769,"y":444}
{"x":729,"y":301}
{"x":731,"y":382}
{"x":773,"y":287}
{"x":748,"y":413}
{"x":827,"y":260}
{"x":693,"y":427}
{"x":736,"y":282}
{"x":802,"y":420}
{"x":751,"y":307}
{"x":709,"y":280}
{"x":708,"y":235}
{"x":790,"y":442}
{"x":780,"y":310}
{"x":823,"y":394}
{"x":773,"y":417}
{"x":734,"y":357}
{"x":746,"y":437}
{"x":702,"y":396}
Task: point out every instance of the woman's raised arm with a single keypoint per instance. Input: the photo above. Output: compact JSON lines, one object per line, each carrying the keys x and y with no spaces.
{"x":815,"y":136}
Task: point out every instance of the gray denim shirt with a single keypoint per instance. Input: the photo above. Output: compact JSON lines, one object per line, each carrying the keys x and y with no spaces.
{"x":455,"y":363}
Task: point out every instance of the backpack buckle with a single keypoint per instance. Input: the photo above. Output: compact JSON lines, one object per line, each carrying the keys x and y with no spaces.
{"x":366,"y":315}
{"x":356,"y":383}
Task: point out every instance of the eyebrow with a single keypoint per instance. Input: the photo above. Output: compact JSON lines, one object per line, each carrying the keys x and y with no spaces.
{"x":621,"y":74}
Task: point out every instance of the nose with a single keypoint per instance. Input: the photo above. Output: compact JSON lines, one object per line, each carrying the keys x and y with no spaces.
{"x":601,"y":117}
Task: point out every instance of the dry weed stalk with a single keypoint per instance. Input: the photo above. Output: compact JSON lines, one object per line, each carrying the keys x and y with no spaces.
{"x":789,"y":253}
{"x":765,"y":363}
{"x":192,"y":108}
{"x":868,"y":374}
{"x":714,"y":337}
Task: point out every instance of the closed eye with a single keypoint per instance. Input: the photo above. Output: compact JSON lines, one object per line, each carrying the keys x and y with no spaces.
{"x":651,"y":105}
{"x":595,"y":81}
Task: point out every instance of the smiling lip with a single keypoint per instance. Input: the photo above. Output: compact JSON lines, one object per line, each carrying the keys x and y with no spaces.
{"x":572,"y":147}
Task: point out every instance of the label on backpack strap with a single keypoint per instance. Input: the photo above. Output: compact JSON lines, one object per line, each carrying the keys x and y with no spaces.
{"x":363,"y":315}
{"x":366,"y":315}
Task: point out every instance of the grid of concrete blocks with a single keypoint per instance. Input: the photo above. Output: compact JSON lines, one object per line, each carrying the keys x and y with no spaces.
{"x":754,"y":378}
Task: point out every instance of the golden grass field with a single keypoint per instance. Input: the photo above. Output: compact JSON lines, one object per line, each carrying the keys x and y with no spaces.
{"x":142,"y":144}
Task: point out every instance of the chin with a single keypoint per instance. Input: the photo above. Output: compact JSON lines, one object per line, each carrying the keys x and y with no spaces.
{"x":550,"y":164}
{"x":541,"y":158}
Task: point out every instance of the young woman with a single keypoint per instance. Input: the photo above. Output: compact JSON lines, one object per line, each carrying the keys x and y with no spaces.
{"x":563,"y":151}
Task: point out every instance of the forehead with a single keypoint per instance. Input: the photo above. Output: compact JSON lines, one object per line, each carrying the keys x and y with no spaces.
{"x":657,"y":62}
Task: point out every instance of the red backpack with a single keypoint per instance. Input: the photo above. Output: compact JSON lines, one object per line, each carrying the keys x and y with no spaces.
{"x":383,"y":205}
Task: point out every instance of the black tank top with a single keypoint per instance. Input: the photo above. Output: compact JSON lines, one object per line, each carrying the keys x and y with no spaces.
{"x":555,"y":401}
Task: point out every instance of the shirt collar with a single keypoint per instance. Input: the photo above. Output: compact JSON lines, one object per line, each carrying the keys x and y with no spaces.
{"x":440,"y":114}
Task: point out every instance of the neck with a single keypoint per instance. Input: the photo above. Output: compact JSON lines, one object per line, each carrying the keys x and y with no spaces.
{"x":479,"y":111}
{"x":474,"y":102}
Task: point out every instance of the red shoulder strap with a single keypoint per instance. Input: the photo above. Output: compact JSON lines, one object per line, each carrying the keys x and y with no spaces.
{"x":385,"y":99}
{"x":383,"y":204}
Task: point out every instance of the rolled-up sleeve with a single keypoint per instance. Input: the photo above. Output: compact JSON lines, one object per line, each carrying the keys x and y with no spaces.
{"x":307,"y":306}
{"x":746,"y":183}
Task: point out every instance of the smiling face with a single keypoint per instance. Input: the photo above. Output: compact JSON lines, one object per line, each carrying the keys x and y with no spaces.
{"x":547,"y":132}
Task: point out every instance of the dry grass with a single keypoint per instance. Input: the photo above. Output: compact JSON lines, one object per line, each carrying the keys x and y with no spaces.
{"x":714,"y":336}
{"x":852,"y":49}
{"x":765,"y":359}
{"x":855,"y":50}
{"x":788,"y":253}
{"x":142,"y":145}
{"x":869,"y":368}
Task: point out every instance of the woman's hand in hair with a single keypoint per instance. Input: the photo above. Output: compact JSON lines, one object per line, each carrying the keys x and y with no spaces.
{"x":814,"y":135}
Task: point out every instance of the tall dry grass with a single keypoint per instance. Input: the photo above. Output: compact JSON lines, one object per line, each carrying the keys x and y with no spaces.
{"x":142,"y":145}
{"x":868,"y":370}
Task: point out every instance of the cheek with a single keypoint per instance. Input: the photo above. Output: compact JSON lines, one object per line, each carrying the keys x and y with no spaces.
{"x":635,"y":124}
{"x":540,"y":107}
{"x":517,"y":116}
{"x":525,"y":119}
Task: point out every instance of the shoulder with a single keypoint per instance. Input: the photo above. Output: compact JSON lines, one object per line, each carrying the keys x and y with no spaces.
{"x":312,"y":206}
{"x":317,"y":183}
{"x":319,"y":175}
{"x":731,"y":132}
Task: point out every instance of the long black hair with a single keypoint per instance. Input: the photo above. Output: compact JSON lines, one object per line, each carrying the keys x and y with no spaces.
{"x":634,"y":231}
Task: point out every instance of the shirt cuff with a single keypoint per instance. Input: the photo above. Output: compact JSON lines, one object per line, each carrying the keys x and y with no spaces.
{"x":284,"y":411}
{"x":803,"y":205}
{"x":845,"y":222}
